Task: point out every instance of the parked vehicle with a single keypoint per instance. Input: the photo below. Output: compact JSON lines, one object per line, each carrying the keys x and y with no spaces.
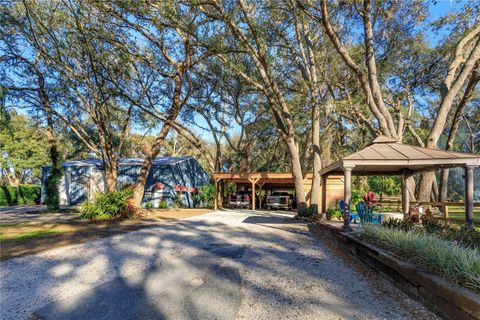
{"x":279,"y":200}
{"x":241,"y":199}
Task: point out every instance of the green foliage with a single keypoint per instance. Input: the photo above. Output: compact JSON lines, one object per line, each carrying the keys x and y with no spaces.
{"x":456,"y":262}
{"x":177,"y":202}
{"x":306,"y":212}
{"x":334,"y":214}
{"x":206,"y":195}
{"x":399,"y":224}
{"x":457,"y":234}
{"x":163,"y":204}
{"x":387,"y":185}
{"x":21,"y":195}
{"x":109,"y":205}
{"x":52,"y":198}
{"x":24,"y":149}
{"x":148,"y":205}
{"x":356,"y":196}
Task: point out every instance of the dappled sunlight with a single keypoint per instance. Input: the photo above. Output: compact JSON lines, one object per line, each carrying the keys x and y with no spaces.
{"x":133,"y":270}
{"x":213,"y":265}
{"x":61,"y":270}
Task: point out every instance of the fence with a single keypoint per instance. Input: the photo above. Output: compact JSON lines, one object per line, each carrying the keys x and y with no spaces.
{"x":451,"y":211}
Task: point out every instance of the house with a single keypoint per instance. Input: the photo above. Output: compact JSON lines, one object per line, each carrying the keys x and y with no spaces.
{"x":169,"y":179}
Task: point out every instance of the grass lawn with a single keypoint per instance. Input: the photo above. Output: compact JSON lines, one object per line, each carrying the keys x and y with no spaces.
{"x":30,"y":238}
{"x":20,"y":235}
{"x":459,"y":213}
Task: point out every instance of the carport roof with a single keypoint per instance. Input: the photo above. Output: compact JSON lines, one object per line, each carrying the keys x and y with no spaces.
{"x":386,"y":156}
{"x":266,"y":177}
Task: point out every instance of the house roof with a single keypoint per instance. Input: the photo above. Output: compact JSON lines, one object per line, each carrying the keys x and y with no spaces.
{"x":386,"y":155}
{"x":125,"y":161}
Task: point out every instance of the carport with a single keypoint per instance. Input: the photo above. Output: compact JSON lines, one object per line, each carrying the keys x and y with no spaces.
{"x":387,"y":156}
{"x":275,"y":180}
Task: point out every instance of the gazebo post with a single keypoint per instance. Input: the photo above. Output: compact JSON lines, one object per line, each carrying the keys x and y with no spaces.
{"x":469,"y":195}
{"x":347,"y":194}
{"x":405,"y":196}
{"x":324,"y":197}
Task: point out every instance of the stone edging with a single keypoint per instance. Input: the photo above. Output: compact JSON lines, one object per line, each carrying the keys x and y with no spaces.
{"x":447,"y":299}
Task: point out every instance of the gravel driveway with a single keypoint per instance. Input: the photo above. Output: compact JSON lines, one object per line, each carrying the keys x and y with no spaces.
{"x":221,"y":265}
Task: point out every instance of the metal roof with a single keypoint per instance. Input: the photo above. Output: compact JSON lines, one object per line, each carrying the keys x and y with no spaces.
{"x":386,"y":155}
{"x":125,"y":161}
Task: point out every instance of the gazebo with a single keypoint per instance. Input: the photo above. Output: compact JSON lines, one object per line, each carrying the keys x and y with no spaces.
{"x":387,"y":156}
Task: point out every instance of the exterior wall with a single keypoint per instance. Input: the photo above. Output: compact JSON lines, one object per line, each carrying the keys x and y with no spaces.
{"x":84,"y":182}
{"x":334,"y":191}
{"x":62,"y":190}
{"x":97,"y":182}
{"x":187,"y":173}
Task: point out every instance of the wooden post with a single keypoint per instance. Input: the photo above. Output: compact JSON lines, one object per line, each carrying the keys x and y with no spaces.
{"x":253,"y":196}
{"x":260,"y":184}
{"x":405,"y":197}
{"x":215,"y":191}
{"x":253,"y":181}
{"x":469,"y":195}
{"x":324,"y":197}
{"x":347,"y":193}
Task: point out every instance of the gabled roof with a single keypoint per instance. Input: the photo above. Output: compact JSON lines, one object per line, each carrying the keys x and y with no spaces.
{"x":125,"y":161}
{"x":386,"y":155}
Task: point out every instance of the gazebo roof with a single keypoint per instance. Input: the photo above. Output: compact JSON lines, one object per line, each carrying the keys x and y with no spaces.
{"x":386,"y":156}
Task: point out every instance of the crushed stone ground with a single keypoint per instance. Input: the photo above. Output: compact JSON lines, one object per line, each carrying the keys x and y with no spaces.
{"x":225,"y":264}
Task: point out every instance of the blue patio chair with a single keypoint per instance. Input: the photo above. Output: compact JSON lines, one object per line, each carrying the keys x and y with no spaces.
{"x":366,"y":214}
{"x":353,"y":215}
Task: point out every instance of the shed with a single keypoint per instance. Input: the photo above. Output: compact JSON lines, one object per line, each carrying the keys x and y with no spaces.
{"x":169,"y":179}
{"x":387,"y":156}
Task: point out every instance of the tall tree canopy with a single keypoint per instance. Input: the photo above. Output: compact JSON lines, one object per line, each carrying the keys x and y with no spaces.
{"x":288,"y":85}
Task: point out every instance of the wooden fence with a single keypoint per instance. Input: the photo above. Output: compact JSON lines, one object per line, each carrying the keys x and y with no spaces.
{"x":443,"y":206}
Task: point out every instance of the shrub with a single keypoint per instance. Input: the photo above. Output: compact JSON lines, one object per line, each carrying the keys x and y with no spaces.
{"x":23,"y":194}
{"x":398,"y":224}
{"x":305,"y":213}
{"x":334,"y":214}
{"x":110,"y":205}
{"x":163,"y":204}
{"x":177,"y":202}
{"x":206,"y":195}
{"x":455,"y":262}
{"x":461,"y":235}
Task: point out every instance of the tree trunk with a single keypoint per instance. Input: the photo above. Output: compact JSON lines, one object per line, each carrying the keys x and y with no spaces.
{"x":111,"y":174}
{"x":158,"y":143}
{"x":317,"y":162}
{"x":411,"y":186}
{"x":13,"y":181}
{"x":297,"y":174}
{"x":448,"y":96}
{"x":474,"y":79}
{"x":52,"y":199}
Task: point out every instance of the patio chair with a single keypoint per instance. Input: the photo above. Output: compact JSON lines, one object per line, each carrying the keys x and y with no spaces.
{"x":366,"y":214}
{"x":353,"y":215}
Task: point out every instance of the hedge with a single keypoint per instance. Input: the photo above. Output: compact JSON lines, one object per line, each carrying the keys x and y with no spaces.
{"x":23,"y":194}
